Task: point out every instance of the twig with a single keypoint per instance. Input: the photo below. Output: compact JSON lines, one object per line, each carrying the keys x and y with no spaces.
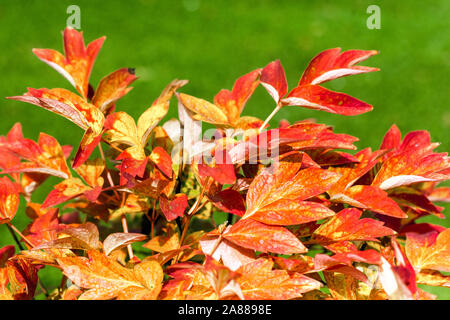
{"x":11,"y":229}
{"x":20,"y":234}
{"x":16,"y":240}
{"x":277,"y":108}
{"x":125,"y":227}
{"x":108,"y":174}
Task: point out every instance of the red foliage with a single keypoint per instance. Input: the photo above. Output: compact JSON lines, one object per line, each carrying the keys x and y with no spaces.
{"x":285,"y":190}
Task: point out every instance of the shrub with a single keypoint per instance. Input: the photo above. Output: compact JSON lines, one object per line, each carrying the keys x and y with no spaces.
{"x":301,"y":219}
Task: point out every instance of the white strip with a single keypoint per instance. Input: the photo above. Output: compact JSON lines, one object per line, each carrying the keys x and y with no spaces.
{"x":334,"y":74}
{"x":61,"y":71}
{"x":272,"y":91}
{"x":402,"y":180}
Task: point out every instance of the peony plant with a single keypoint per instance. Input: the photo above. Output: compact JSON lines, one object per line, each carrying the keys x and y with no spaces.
{"x":165,"y":211}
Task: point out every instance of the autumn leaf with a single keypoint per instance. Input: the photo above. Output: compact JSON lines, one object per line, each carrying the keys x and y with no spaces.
{"x":232,"y":255}
{"x":233,"y":102}
{"x":162,"y":161}
{"x":66,"y":190}
{"x":78,"y":61}
{"x":372,"y":198}
{"x":258,"y":236}
{"x":332,"y":64}
{"x":119,"y":240}
{"x":346,"y":225}
{"x":318,"y":98}
{"x":85,"y":237}
{"x":23,"y":278}
{"x":73,"y":108}
{"x":9,"y":199}
{"x":275,"y":197}
{"x":153,"y":115}
{"x":175,"y":207}
{"x":107,"y":279}
{"x":413,"y":161}
{"x":5,"y":253}
{"x":329,"y":65}
{"x":441,"y":194}
{"x":45,"y":157}
{"x":113,"y":87}
{"x":229,"y":200}
{"x":429,"y":251}
{"x":228,"y":105}
{"x":259,"y":282}
{"x":274,"y":80}
{"x":222,"y":171}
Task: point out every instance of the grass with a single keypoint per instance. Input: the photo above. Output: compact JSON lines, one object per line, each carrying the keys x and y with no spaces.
{"x":212,"y":43}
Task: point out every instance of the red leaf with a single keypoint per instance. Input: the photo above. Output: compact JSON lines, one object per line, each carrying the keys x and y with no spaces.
{"x":234,"y":101}
{"x":230,"y":201}
{"x":175,"y":207}
{"x":274,"y":80}
{"x":318,"y":98}
{"x":162,"y":160}
{"x":223,"y":170}
{"x":331,"y":64}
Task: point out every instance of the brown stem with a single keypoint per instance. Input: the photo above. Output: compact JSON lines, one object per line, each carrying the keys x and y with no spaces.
{"x":125,"y":227}
{"x":216,"y":245}
{"x":20,"y":234}
{"x":108,"y":174}
{"x":112,"y":146}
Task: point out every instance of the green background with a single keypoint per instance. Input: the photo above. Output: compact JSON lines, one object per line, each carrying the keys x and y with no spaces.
{"x":212,"y":43}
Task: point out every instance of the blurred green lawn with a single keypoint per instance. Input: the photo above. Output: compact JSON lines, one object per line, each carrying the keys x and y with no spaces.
{"x":212,"y":43}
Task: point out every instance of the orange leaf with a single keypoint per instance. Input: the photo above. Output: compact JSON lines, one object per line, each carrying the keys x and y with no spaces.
{"x":232,"y":255}
{"x":285,"y":183}
{"x":233,"y":102}
{"x":113,"y":87}
{"x":78,"y":61}
{"x":258,"y":236}
{"x":64,"y":191}
{"x":22,"y":278}
{"x":413,"y":161}
{"x":372,"y":198}
{"x":119,"y":240}
{"x":107,"y":279}
{"x":222,"y":171}
{"x":346,"y":225}
{"x":259,"y":282}
{"x":429,"y":251}
{"x":9,"y":199}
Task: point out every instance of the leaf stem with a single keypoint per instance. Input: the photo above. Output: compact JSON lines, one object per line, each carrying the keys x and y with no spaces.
{"x":125,"y":227}
{"x":10,"y":225}
{"x":108,"y":174}
{"x":277,"y":108}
